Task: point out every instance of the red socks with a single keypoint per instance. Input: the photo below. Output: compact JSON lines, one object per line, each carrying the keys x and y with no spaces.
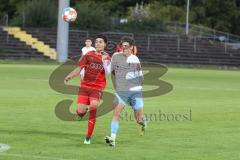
{"x":91,"y":120}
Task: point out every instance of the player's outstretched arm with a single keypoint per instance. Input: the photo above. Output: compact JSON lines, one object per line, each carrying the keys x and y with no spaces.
{"x":76,"y":72}
{"x":73,"y":74}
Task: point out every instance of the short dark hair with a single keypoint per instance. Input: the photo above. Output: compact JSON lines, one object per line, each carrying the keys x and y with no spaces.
{"x":127,"y":39}
{"x":102,"y":37}
{"x":87,"y":39}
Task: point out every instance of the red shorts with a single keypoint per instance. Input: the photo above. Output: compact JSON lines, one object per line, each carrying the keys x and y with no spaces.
{"x":85,"y":95}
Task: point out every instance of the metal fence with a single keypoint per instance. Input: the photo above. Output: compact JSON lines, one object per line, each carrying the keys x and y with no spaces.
{"x":201,"y":31}
{"x":193,"y":43}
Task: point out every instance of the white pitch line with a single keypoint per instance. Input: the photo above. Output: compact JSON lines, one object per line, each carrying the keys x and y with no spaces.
{"x":33,"y":156}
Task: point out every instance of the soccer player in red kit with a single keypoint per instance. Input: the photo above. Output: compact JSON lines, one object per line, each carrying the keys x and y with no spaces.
{"x":97,"y":65}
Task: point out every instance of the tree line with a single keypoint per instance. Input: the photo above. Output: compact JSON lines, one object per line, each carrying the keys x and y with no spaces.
{"x":136,"y":15}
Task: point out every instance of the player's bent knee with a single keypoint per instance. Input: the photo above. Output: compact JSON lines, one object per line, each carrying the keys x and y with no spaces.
{"x":117,"y":113}
{"x":81,"y":106}
{"x":80,"y":113}
{"x":94,"y":103}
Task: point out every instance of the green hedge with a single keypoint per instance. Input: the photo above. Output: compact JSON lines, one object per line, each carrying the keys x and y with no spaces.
{"x":37,"y":13}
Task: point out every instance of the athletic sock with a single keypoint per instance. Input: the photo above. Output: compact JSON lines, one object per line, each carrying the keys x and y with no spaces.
{"x":91,"y":120}
{"x":114,"y":129}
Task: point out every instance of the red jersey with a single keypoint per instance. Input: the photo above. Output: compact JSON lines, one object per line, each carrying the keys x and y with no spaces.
{"x":94,"y":76}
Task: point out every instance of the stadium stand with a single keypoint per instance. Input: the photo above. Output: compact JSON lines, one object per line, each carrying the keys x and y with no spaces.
{"x":161,"y":48}
{"x":13,"y":48}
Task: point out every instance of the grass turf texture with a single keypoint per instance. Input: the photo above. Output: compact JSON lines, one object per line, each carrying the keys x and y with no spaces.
{"x":28,"y":123}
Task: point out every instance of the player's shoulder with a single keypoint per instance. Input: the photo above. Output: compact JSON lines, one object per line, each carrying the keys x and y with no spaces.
{"x":89,"y":53}
{"x":92,"y":49}
{"x":84,"y":49}
{"x":117,"y":54}
{"x":133,"y":59}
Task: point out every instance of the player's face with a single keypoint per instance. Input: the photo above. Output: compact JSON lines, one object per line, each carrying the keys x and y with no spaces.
{"x":88,"y":43}
{"x":127,"y":48}
{"x":100,"y":44}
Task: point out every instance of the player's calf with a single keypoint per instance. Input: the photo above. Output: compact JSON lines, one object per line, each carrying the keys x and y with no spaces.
{"x":141,"y":120}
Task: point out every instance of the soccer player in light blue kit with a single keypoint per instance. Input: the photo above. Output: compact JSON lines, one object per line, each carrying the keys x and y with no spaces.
{"x":127,"y":79}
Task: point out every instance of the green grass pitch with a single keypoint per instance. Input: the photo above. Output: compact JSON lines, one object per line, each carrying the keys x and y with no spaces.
{"x":29,"y":126}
